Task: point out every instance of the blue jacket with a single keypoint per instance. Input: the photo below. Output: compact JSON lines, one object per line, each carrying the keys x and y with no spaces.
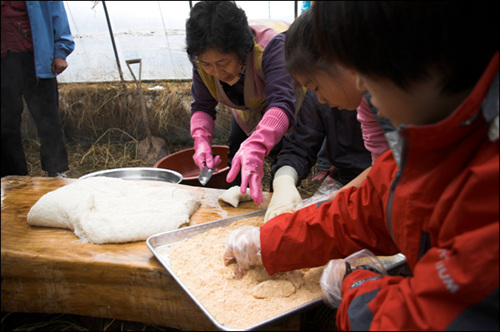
{"x":51,"y":34}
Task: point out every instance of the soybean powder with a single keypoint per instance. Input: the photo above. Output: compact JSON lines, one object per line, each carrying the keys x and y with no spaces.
{"x":237,"y":303}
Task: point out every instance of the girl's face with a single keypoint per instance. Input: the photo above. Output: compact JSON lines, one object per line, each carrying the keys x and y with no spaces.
{"x":339,"y":91}
{"x":224,"y":66}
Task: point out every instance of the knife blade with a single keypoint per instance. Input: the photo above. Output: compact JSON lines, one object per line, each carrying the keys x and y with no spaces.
{"x":205,"y":174}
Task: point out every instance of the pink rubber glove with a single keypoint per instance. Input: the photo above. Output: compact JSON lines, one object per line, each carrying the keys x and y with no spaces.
{"x":202,"y":127}
{"x":243,"y":246}
{"x":250,"y":157}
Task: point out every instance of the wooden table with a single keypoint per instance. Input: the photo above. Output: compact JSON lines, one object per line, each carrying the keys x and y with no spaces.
{"x":50,"y":270}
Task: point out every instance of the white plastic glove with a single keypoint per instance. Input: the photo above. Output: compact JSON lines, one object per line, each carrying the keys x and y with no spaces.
{"x":285,"y":192}
{"x":493,"y":130}
{"x":243,"y":246}
{"x":331,"y":282}
{"x":335,"y":272}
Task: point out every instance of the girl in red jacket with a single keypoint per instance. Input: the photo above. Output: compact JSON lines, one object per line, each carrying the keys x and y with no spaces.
{"x":432,"y":69}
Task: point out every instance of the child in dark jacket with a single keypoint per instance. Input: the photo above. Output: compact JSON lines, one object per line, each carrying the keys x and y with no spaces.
{"x":336,"y":116}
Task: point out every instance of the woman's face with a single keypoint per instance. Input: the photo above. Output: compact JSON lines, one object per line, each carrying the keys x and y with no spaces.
{"x":336,"y":91}
{"x":224,"y":66}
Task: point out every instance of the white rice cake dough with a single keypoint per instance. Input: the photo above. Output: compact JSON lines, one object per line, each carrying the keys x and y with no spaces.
{"x":112,"y":210}
{"x":234,"y":196}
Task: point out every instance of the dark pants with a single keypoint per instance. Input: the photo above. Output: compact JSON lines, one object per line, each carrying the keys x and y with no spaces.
{"x":41,"y":96}
{"x":235,"y":138}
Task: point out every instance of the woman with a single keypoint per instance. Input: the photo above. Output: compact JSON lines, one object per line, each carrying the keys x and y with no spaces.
{"x":241,"y":66}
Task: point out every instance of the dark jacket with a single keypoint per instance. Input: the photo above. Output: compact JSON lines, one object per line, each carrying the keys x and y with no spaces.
{"x":345,"y":146}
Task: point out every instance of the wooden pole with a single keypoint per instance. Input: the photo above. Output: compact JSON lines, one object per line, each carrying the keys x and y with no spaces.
{"x":113,"y":42}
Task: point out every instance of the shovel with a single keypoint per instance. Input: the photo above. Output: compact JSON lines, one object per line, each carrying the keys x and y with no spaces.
{"x":152,"y":148}
{"x":205,"y":174}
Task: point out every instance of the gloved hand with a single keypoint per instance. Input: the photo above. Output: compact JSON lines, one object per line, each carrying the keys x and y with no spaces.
{"x":202,"y":127}
{"x":243,"y":246}
{"x":250,"y":157}
{"x":337,"y":269}
{"x":285,"y":192}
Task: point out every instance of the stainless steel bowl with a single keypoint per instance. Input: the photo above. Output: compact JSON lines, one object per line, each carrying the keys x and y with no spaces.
{"x":139,"y":173}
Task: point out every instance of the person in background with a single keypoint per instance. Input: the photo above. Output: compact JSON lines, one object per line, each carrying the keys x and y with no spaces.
{"x":36,"y":39}
{"x":240,"y":66}
{"x":435,"y":200}
{"x":346,"y":131}
{"x":305,"y":5}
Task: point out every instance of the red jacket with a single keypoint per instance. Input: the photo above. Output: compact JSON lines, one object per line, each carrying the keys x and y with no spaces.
{"x":439,"y":208}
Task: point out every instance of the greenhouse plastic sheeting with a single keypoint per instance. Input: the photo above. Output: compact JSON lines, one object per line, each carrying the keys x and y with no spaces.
{"x":151,"y":30}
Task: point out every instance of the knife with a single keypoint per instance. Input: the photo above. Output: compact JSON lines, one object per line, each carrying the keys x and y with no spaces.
{"x":205,"y":174}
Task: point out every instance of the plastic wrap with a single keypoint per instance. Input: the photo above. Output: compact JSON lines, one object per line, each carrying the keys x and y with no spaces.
{"x":326,"y":191}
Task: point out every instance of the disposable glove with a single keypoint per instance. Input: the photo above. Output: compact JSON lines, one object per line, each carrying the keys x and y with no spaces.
{"x":243,"y":247}
{"x":493,"y":130}
{"x":285,"y":192}
{"x":202,"y":127}
{"x":337,"y":269}
{"x":252,"y":152}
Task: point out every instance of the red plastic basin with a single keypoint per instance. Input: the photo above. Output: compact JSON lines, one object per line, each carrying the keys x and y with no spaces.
{"x":182,"y":162}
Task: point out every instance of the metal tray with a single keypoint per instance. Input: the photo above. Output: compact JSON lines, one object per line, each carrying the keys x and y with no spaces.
{"x":139,"y":173}
{"x":163,"y":239}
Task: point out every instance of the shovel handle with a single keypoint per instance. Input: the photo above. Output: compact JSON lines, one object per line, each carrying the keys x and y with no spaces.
{"x":131,"y":62}
{"x":141,"y":97}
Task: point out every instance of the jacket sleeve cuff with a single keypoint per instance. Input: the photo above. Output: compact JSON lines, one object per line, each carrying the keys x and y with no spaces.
{"x":276,"y":119}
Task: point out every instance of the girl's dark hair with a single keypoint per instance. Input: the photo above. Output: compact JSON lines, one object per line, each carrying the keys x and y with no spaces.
{"x":301,"y":53}
{"x":220,"y":25}
{"x":408,"y":41}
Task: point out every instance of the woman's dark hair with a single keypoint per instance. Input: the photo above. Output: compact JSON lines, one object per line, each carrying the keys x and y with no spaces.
{"x":301,"y":52}
{"x":220,"y":25}
{"x":408,"y":41}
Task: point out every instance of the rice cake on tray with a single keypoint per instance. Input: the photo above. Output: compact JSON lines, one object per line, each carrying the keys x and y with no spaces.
{"x":193,"y":256}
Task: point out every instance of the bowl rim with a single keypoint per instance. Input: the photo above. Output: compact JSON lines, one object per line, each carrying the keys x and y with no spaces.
{"x":192,"y":178}
{"x":186,"y":151}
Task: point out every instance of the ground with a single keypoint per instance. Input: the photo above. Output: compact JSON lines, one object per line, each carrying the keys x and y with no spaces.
{"x":61,"y":322}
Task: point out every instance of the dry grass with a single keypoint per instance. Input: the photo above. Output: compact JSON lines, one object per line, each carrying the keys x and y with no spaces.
{"x":84,"y":159}
{"x":102,"y":127}
{"x":90,"y":110}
